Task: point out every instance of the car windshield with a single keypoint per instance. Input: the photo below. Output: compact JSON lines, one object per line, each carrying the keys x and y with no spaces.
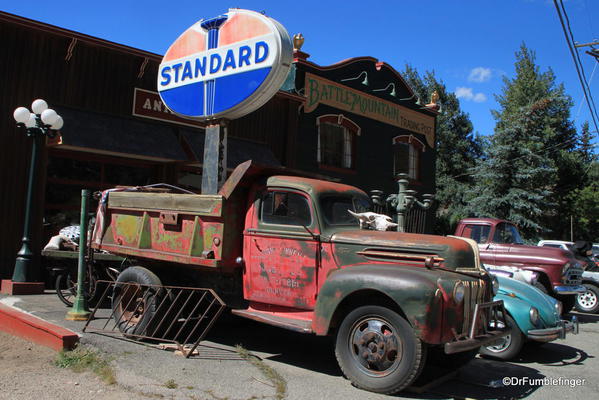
{"x":335,"y":209}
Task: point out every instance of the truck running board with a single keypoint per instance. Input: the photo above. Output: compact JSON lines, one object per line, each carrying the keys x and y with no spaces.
{"x":297,"y":325}
{"x":178,"y":315}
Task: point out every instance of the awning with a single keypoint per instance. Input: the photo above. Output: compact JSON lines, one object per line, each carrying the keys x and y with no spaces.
{"x":103,"y":133}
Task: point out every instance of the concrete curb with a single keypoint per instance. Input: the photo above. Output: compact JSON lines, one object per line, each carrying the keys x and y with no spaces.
{"x":18,"y":323}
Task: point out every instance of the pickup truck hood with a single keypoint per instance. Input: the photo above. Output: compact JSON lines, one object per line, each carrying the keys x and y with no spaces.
{"x":365,"y":246}
{"x":532,"y":254}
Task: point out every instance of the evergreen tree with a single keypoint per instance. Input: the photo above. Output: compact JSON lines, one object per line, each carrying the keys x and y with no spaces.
{"x":513,"y":182}
{"x":457,"y":149}
{"x":547,"y":148}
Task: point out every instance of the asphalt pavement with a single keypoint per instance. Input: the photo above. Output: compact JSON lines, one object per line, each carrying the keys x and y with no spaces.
{"x":564,"y":368}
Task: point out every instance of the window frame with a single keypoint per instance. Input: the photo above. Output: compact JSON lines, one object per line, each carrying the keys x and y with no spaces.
{"x":262,"y":225}
{"x":415,"y":150}
{"x":351,"y":129}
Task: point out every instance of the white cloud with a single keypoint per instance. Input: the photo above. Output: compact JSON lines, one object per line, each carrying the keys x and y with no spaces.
{"x":467,"y":94}
{"x":479,"y":98}
{"x":479,"y":75}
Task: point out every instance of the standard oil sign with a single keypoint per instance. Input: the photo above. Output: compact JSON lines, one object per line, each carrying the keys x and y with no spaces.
{"x":225,"y":67}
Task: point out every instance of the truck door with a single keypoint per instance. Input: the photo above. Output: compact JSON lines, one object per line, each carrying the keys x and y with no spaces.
{"x":283,"y":249}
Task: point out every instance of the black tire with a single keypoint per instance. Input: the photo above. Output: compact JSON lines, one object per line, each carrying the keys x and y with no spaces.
{"x":568,"y":302}
{"x":378,"y":351}
{"x":588,"y":301}
{"x":541,"y":287}
{"x":134,"y":306}
{"x":66,"y":288}
{"x":507,"y":347}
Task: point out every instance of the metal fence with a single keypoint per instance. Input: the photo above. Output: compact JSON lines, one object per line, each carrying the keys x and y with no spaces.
{"x":181,"y":316}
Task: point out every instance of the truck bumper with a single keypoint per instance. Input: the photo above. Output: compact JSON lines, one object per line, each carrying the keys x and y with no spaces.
{"x":473,"y":341}
{"x":557,"y":332}
{"x":559,"y":289}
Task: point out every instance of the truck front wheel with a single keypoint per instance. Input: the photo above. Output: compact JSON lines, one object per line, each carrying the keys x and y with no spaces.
{"x":588,"y":301}
{"x":135,"y":299}
{"x":378,"y":351}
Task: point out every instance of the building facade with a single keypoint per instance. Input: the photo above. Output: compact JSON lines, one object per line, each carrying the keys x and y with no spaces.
{"x":355,"y":122}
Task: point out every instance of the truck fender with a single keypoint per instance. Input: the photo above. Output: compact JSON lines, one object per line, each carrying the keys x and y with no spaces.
{"x":412,"y":290}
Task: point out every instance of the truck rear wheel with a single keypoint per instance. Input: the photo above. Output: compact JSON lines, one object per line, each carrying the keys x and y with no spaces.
{"x":378,"y":351}
{"x":134,"y":305}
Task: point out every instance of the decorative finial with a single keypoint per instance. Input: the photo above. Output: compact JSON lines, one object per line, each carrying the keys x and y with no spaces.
{"x":298,"y":41}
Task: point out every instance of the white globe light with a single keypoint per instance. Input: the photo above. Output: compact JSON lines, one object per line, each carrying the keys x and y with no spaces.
{"x":38,"y":106}
{"x":49,"y":116}
{"x":31,"y":122}
{"x":21,"y":115}
{"x":58,"y":124}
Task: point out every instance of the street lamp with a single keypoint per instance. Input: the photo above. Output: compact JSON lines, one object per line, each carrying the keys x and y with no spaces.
{"x":43,"y":121}
{"x":405,"y":199}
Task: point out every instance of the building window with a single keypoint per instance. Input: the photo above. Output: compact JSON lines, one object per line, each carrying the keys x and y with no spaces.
{"x":406,"y":155}
{"x":336,"y":141}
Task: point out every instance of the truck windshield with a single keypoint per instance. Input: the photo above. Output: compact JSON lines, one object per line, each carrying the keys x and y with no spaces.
{"x":335,"y":209}
{"x":507,"y":233}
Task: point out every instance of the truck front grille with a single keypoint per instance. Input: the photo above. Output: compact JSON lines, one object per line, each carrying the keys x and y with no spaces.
{"x":573,"y":276}
{"x":474,"y":294}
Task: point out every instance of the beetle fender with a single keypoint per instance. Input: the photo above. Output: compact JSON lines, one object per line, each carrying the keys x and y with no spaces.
{"x":414,"y":290}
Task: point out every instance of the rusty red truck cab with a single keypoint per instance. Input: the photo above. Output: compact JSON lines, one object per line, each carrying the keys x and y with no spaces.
{"x":302,"y":263}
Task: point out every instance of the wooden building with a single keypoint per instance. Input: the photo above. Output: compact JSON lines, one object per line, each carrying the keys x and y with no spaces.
{"x":357,"y":122}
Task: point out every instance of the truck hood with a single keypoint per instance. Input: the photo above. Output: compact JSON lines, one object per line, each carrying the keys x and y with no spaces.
{"x":365,"y":246}
{"x":540,"y":255}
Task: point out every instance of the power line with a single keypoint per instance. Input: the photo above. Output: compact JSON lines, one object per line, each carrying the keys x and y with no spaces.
{"x":576,"y":59}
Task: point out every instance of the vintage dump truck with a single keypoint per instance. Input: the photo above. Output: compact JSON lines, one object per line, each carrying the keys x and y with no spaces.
{"x":283,"y":250}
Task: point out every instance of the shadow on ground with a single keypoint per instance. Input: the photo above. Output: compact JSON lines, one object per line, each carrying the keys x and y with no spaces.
{"x":481,"y":379}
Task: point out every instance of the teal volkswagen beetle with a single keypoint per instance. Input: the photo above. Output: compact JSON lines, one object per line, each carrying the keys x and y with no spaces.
{"x":533,"y":316}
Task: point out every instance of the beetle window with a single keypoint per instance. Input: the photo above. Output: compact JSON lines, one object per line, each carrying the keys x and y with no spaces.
{"x":478,"y":233}
{"x":285,"y":208}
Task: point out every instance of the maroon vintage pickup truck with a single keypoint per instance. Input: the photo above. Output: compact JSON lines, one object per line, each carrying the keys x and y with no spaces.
{"x":557,"y":271}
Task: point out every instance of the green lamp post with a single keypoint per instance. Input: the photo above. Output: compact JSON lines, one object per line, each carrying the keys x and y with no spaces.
{"x":38,"y":124}
{"x":405,"y":199}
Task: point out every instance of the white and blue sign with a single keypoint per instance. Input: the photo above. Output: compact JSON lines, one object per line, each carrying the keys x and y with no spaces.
{"x":225,"y":67}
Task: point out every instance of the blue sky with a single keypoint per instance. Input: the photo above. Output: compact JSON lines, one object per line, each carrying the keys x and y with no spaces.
{"x":469,"y":44}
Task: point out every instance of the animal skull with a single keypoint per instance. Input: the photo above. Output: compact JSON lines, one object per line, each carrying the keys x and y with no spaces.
{"x":379,"y":222}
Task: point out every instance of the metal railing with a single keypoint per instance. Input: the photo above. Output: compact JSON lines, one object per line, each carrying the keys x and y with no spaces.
{"x":178,"y":315}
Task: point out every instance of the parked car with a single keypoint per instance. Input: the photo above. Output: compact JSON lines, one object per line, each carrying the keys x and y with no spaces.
{"x":559,"y":244}
{"x":533,"y":316}
{"x":557,"y":271}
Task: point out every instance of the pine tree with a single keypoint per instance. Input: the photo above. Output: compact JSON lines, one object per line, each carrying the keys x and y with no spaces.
{"x":457,"y":149}
{"x":513,"y":182}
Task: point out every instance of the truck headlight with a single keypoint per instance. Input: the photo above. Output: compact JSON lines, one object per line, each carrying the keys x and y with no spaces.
{"x":558,"y":308}
{"x":534,"y":316}
{"x":458,"y":292}
{"x":495,"y":283}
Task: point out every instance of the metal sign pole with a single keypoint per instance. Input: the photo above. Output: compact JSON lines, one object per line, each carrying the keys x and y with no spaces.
{"x":80,"y":312}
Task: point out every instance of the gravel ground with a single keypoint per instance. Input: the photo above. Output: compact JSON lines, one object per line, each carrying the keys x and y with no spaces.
{"x":28,"y":372}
